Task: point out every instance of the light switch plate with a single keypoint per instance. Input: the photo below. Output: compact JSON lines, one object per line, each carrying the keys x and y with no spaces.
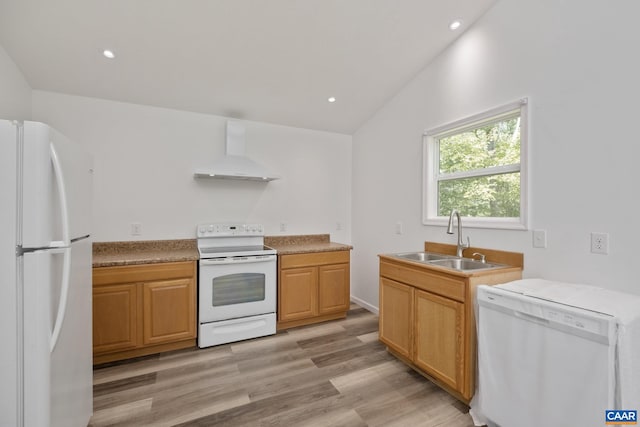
{"x":539,"y":238}
{"x":399,"y":227}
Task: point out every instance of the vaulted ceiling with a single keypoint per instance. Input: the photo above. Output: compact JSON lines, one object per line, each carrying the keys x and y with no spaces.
{"x":276,"y":61}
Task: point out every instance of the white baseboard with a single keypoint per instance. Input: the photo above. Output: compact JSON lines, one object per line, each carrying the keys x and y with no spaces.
{"x":365,"y":305}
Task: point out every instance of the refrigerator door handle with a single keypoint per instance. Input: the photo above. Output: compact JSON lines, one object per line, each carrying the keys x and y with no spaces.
{"x":62,"y":193}
{"x":64,"y":293}
{"x":65,"y":242}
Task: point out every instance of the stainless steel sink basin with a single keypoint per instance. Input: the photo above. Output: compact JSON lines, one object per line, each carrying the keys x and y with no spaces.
{"x":446,"y":261}
{"x":464,"y":264}
{"x":422,"y":256}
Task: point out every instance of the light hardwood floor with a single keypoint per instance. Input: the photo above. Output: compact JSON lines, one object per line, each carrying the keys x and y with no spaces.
{"x":332,"y":374}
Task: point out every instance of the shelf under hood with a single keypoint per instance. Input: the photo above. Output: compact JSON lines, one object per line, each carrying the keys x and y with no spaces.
{"x":234,"y":164}
{"x":236,"y":167}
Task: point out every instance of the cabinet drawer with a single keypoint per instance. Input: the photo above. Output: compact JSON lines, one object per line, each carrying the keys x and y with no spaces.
{"x":422,"y":279}
{"x":142,"y":273}
{"x":316,"y":258}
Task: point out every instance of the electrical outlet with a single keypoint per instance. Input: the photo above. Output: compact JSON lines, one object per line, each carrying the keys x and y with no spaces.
{"x":283,"y":227}
{"x":338,"y":226}
{"x":600,"y":243}
{"x":136,"y":229}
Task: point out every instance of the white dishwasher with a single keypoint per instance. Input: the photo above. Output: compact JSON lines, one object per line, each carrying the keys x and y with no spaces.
{"x":543,"y":363}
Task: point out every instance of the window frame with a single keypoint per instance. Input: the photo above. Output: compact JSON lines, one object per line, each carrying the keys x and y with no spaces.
{"x":431,"y":166}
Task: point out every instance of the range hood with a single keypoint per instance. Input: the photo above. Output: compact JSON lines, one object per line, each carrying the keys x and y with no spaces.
{"x":234,"y":164}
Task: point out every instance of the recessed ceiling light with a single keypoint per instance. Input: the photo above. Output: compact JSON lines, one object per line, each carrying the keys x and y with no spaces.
{"x":332,"y":99}
{"x":455,"y":24}
{"x":108,"y":54}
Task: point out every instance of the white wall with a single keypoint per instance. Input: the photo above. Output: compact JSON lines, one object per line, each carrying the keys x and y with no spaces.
{"x":145,"y":158}
{"x":15,"y":92}
{"x":577,"y":63}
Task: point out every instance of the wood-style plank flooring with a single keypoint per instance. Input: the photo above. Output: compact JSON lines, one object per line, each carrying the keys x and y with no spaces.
{"x":332,"y":374}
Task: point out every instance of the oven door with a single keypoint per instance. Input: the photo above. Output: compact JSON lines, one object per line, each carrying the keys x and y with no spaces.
{"x":236,"y":287}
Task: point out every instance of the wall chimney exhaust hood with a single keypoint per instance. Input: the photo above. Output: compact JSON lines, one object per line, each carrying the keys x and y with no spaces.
{"x":234,"y":164}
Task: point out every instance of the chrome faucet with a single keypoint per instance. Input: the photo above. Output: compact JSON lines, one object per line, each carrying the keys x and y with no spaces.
{"x":461,"y":244}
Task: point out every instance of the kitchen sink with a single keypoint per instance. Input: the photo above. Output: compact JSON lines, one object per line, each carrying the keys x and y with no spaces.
{"x":464,"y":264}
{"x":422,"y":256}
{"x":446,"y":261}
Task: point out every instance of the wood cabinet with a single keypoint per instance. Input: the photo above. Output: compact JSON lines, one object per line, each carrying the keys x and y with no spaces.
{"x":439,"y":338}
{"x":333,"y":288}
{"x":396,"y":316}
{"x":168,"y":311}
{"x":298,"y":293}
{"x":427,"y":320}
{"x":312,"y":287}
{"x":114,"y":318}
{"x":143,"y":309}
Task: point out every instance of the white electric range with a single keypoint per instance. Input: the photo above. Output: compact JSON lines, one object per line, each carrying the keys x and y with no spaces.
{"x":236,"y":283}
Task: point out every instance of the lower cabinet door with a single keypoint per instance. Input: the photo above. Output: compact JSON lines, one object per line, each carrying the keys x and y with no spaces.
{"x":439,"y":338}
{"x":333,"y":292}
{"x":396,"y":316}
{"x":114,"y":317}
{"x":169,"y":310}
{"x":298,"y":289}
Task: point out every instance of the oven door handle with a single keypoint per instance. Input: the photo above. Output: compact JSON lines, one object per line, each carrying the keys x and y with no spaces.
{"x":238,"y":260}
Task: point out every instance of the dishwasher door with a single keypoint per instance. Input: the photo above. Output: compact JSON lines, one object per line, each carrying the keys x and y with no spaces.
{"x":541,"y":363}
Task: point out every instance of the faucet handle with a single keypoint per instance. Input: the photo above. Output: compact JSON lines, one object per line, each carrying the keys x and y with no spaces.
{"x":482,"y":257}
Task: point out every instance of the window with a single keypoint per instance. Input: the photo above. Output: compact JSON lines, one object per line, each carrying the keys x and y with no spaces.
{"x":478,"y":166}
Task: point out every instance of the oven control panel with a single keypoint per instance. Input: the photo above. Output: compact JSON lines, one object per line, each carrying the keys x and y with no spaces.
{"x":229,"y":229}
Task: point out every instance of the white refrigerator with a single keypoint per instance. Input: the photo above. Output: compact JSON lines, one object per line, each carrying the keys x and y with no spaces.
{"x":45,"y":266}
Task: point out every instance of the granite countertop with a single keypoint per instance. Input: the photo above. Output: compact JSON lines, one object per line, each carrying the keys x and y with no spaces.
{"x":111,"y":254}
{"x":300,"y":244}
